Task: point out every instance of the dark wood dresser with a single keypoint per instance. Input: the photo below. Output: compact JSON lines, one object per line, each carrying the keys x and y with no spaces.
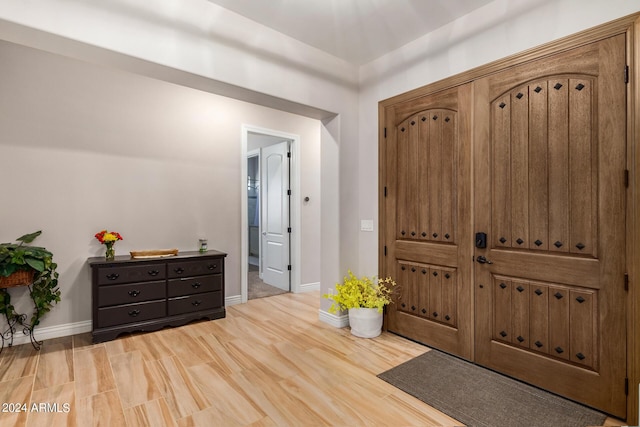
{"x":131,"y":295}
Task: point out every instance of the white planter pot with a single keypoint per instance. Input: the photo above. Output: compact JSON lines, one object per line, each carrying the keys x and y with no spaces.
{"x":365,"y":322}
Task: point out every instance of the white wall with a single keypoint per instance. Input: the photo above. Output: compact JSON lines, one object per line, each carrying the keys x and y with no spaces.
{"x":199,"y":44}
{"x":84,"y":147}
{"x":497,"y":30}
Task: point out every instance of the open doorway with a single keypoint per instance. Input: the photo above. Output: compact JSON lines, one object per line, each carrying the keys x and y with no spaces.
{"x":269,"y":249}
{"x":268,"y":216}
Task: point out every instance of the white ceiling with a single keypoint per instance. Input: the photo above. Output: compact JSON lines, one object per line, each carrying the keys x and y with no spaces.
{"x":357,"y":31}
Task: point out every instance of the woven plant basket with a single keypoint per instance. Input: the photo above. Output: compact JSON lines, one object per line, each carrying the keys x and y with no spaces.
{"x":19,"y":278}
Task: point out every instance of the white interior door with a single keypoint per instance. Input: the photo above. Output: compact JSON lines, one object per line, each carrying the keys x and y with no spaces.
{"x":274,"y":171}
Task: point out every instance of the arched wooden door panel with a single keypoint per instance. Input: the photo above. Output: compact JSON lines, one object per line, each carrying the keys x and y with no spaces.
{"x":550,"y":194}
{"x":427,"y":156}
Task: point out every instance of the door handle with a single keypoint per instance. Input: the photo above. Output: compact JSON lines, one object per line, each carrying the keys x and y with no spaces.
{"x":264,"y":233}
{"x":483,"y":260}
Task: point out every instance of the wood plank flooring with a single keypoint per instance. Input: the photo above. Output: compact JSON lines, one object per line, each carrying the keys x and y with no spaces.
{"x":270,"y":362}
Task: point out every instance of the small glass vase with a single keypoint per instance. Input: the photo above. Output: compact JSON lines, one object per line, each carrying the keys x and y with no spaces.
{"x":110,"y":253}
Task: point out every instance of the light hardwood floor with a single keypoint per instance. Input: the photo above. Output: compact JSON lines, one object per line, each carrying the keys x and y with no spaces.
{"x":270,"y":362}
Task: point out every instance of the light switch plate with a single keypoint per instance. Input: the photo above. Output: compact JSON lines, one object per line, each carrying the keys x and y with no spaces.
{"x":366,"y":225}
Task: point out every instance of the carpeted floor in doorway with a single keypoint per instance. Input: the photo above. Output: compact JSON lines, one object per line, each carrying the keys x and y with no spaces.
{"x":480,"y":397}
{"x":257,"y":288}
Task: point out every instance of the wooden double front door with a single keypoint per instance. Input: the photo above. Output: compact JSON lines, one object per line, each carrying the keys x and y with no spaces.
{"x":504,"y":221}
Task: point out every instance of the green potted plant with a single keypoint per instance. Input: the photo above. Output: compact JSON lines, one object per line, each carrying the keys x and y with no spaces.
{"x":21,"y":264}
{"x":365,"y":298}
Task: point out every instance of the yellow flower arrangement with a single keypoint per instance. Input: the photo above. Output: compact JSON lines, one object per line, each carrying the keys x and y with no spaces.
{"x":363,"y":292}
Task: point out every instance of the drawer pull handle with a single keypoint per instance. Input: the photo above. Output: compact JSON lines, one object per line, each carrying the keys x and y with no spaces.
{"x":179,"y":270}
{"x":212,"y":266}
{"x":196,"y":285}
{"x":113,"y":276}
{"x":134,"y":313}
{"x":196,"y":303}
{"x":153,"y":272}
{"x":134,"y":293}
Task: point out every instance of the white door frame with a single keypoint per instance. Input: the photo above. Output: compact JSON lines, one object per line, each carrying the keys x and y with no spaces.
{"x":294,"y":201}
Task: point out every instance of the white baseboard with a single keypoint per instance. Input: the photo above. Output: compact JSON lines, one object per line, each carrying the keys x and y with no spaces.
{"x":50,"y":332}
{"x":308,"y":287}
{"x":333,"y":319}
{"x":233,"y":300}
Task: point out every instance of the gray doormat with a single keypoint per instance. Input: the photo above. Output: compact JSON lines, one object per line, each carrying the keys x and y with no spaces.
{"x":477,"y":396}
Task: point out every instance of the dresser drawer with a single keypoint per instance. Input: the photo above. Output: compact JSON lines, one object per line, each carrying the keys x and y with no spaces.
{"x":198,"y":302}
{"x":131,"y":293}
{"x":194,"y":268}
{"x":130,"y":274}
{"x":131,"y":313}
{"x":194,"y":285}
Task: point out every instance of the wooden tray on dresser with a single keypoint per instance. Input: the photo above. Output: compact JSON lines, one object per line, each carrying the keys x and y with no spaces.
{"x":155,"y":253}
